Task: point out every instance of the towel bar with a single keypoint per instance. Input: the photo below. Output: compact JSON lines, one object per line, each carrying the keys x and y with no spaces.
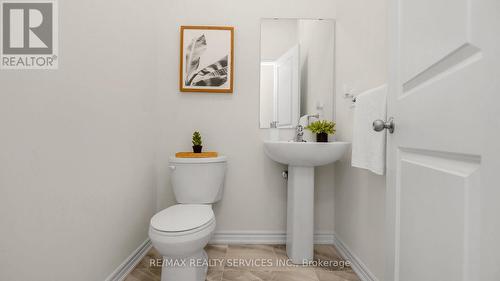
{"x":350,"y":96}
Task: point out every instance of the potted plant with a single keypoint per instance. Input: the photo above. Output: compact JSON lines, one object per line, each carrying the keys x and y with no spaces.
{"x":197,"y":143}
{"x":322,"y":129}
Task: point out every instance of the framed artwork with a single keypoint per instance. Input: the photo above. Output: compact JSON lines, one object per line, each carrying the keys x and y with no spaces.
{"x":206,"y":59}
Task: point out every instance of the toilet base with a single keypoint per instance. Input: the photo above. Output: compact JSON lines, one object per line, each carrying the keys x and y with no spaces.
{"x":192,"y":268}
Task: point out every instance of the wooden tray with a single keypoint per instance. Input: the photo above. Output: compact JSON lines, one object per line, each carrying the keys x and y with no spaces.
{"x":208,"y":154}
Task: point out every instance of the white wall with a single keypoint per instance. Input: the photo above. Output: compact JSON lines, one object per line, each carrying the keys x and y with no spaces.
{"x":255,"y":194}
{"x":77,"y":158}
{"x":361,"y":64}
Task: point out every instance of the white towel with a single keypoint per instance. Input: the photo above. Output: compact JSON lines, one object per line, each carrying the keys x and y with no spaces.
{"x":368,"y":146}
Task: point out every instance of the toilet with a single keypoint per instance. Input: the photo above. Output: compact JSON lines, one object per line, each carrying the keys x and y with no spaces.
{"x":181,"y":232}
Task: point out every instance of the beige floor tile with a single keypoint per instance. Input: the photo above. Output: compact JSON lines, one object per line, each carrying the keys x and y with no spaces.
{"x":154,"y":252}
{"x":280,"y":252}
{"x":216,"y":251}
{"x":326,"y":252}
{"x":246,"y":275}
{"x":250,"y":251}
{"x":328,"y":258}
{"x":283,"y":262}
{"x":143,"y":274}
{"x":131,"y":278}
{"x":216,"y":255}
{"x":250,"y":257}
{"x":343,"y":275}
{"x":214,"y":275}
{"x":295,"y":275}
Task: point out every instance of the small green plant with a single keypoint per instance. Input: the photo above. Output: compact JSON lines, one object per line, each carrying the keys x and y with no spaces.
{"x":197,"y":139}
{"x":322,"y":126}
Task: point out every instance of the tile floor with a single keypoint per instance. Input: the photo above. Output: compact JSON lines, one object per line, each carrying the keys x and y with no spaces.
{"x":234,"y":263}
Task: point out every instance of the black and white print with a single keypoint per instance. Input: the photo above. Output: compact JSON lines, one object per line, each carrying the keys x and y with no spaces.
{"x":206,"y":59}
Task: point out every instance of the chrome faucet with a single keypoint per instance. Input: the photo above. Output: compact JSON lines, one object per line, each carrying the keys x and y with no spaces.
{"x":309,"y":116}
{"x":299,"y":134}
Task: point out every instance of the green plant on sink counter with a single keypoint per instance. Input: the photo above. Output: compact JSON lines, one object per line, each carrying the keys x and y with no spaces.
{"x":322,"y":129}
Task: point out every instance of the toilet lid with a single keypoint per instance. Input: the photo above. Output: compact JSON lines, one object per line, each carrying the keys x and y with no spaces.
{"x":219,"y":159}
{"x":182,"y":217}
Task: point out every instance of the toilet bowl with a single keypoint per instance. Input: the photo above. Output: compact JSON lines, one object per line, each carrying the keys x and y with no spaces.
{"x":181,"y":232}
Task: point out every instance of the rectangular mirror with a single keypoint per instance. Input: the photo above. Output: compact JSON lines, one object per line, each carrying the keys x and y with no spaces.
{"x":297,"y":63}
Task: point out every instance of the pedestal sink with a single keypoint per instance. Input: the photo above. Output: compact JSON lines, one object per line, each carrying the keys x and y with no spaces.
{"x":301,"y":158}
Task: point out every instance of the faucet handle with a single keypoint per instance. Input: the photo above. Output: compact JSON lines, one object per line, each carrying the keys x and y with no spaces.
{"x":312,"y":116}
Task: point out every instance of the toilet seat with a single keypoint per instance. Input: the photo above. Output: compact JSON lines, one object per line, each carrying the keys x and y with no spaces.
{"x":182,"y":219}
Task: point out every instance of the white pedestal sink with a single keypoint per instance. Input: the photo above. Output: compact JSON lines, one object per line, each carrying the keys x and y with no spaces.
{"x":301,"y":158}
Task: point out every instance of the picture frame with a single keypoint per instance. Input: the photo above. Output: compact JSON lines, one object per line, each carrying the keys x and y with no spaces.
{"x":206,"y":59}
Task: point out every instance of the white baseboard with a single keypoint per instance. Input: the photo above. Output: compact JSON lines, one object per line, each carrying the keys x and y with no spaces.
{"x":129,"y":264}
{"x":263,"y":237}
{"x":357,"y":265}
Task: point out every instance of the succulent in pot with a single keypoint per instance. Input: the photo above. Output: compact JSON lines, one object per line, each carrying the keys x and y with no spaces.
{"x":197,"y":143}
{"x":322,"y":129}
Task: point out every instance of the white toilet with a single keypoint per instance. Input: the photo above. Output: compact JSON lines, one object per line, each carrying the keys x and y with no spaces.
{"x":180,"y":232}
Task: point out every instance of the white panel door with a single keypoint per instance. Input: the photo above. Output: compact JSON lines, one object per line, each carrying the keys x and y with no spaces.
{"x":288,"y":89}
{"x":441,"y":72}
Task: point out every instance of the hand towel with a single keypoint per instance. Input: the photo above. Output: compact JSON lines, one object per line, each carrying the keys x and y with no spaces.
{"x":368,"y":146}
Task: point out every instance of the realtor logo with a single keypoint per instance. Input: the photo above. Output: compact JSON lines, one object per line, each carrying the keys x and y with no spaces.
{"x":29,"y":35}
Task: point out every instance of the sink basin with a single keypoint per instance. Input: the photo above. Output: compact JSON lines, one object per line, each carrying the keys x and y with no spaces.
{"x":305,"y":154}
{"x":301,"y":158}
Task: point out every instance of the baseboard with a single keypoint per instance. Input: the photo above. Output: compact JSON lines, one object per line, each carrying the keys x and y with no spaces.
{"x":129,"y":264}
{"x":263,"y":237}
{"x":357,"y":265}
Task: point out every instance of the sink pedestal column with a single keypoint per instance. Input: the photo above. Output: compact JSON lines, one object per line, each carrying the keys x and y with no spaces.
{"x":300,"y":214}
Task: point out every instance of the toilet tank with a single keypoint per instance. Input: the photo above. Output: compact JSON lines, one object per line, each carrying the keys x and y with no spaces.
{"x":198,"y":180}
